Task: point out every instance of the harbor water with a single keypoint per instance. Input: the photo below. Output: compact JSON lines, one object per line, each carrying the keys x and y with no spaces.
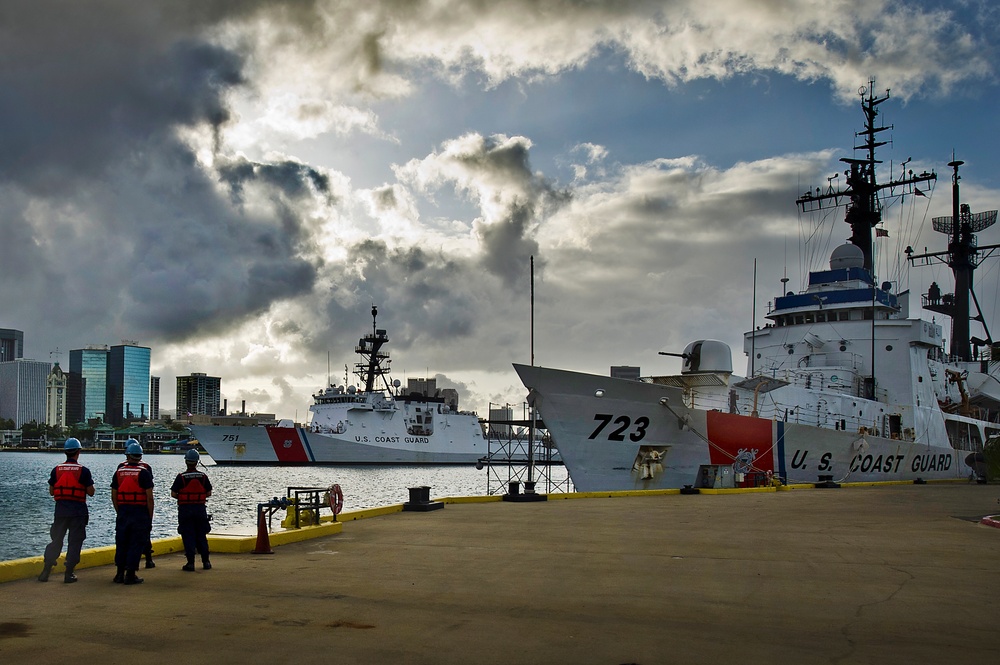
{"x":26,"y":508}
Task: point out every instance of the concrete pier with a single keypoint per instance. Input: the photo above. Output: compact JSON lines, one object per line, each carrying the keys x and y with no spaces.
{"x":896,"y":574}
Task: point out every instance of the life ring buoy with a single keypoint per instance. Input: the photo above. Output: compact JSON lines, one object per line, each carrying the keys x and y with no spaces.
{"x":336,"y":498}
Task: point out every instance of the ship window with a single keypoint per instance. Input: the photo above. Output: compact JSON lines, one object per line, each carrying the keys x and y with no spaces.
{"x":798,"y":319}
{"x":809,"y":318}
{"x":820,"y":317}
{"x":958,"y":434}
{"x":976,"y":438}
{"x":845,"y":316}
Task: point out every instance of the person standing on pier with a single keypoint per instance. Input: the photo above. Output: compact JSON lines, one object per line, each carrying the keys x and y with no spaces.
{"x":149,"y":540}
{"x":70,"y":483}
{"x":191,"y":489}
{"x":132,"y":496}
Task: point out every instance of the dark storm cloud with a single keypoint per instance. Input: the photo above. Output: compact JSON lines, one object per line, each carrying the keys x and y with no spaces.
{"x":423,"y":297}
{"x":496,"y":172}
{"x":88,"y":87}
{"x":293,"y":179}
{"x":113,"y":222}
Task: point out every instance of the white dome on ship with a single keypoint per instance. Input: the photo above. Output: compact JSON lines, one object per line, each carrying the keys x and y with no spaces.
{"x":847,"y":256}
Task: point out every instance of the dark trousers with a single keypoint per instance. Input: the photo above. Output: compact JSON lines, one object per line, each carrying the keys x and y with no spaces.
{"x":131,"y":535}
{"x":193,"y":525}
{"x":77,"y":528}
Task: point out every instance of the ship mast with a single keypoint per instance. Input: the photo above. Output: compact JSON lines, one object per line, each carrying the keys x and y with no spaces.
{"x":375,"y":362}
{"x":962,"y":256}
{"x":861,"y":192}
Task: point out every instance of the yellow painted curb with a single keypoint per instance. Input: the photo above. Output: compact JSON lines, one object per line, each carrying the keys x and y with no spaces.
{"x":371,"y":512}
{"x":471,"y":499}
{"x":738,"y":490}
{"x":610,"y":495}
{"x":19,"y":569}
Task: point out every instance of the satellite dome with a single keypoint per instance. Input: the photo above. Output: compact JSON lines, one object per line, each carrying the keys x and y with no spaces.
{"x":847,"y":256}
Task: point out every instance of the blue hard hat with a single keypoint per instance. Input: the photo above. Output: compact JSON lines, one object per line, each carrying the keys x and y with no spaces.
{"x":72,"y":443}
{"x":192,"y":455}
{"x":133,"y":449}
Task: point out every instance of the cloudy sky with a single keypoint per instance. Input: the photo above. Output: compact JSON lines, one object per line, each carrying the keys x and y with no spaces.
{"x":235,"y":184}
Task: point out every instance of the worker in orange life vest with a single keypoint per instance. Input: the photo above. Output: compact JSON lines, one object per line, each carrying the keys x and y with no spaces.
{"x":191,"y":489}
{"x":70,"y":483}
{"x":132,"y":496}
{"x":148,"y":551}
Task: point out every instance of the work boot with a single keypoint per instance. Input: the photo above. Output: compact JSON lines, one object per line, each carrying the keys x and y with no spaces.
{"x":44,"y":575}
{"x":69,"y":577}
{"x":149,"y":562}
{"x":131,"y":578}
{"x":119,"y":576}
{"x":189,"y":566}
{"x":206,"y":564}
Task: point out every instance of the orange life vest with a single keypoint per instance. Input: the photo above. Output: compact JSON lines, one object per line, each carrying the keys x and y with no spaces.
{"x":129,"y":491}
{"x":68,"y":486}
{"x":194,"y":490}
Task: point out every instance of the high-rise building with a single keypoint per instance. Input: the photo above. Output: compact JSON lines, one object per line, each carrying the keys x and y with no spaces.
{"x":128,"y":384}
{"x":22,"y":390}
{"x":198,"y":394}
{"x":87,"y":390}
{"x":11,"y":344}
{"x":154,"y":398}
{"x":55,"y":397}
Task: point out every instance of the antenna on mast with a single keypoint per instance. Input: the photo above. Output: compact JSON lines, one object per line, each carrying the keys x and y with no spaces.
{"x":860,"y":193}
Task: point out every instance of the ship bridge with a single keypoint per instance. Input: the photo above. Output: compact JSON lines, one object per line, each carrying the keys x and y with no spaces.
{"x":845,"y":292}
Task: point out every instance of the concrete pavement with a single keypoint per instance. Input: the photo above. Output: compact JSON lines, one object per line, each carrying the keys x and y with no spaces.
{"x":896,"y":574}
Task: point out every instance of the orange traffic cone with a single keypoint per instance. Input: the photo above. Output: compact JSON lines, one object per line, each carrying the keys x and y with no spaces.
{"x":263,"y":540}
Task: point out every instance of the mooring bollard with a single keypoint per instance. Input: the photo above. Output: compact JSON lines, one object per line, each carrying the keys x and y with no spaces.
{"x":420,"y":500}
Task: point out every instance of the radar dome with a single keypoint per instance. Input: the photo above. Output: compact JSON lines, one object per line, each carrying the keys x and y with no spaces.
{"x":847,"y":256}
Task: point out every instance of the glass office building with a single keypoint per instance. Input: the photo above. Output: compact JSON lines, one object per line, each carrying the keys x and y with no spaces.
{"x":128,"y":384}
{"x":11,"y":344}
{"x":87,"y":384}
{"x":22,"y":390}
